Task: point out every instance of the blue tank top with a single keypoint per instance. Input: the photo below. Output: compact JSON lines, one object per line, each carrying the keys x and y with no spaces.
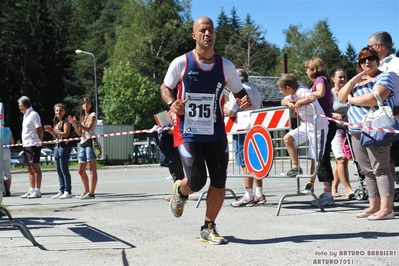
{"x":196,"y":80}
{"x":6,"y":136}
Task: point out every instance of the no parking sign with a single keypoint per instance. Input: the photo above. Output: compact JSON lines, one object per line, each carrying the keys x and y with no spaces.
{"x":258,"y":151}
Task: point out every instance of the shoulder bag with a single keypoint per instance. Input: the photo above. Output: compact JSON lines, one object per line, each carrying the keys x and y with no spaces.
{"x":381,"y":118}
{"x":97,"y":148}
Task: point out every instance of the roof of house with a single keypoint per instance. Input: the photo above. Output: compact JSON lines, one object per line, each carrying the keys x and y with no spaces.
{"x":268,"y":88}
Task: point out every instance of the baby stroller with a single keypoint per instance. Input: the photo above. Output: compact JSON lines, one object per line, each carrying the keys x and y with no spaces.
{"x":360,"y":193}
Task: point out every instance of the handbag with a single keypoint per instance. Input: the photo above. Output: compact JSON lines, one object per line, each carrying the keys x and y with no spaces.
{"x":97,"y":148}
{"x":346,"y":149}
{"x":381,"y":118}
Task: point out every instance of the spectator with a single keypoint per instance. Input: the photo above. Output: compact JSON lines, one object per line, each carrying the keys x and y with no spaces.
{"x":381,"y":42}
{"x":373,"y":161}
{"x":341,"y":172}
{"x":238,"y":143}
{"x":7,"y":140}
{"x":321,"y":88}
{"x":201,"y":76}
{"x":62,"y":150}
{"x":296,"y":98}
{"x":32,"y":136}
{"x":86,"y":127}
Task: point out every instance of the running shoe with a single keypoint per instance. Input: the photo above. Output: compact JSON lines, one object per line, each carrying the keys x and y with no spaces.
{"x":66,"y":195}
{"x":309,"y":189}
{"x":293,"y":172}
{"x":81,"y":195}
{"x":35,"y":195}
{"x":324,"y":201}
{"x":211,"y":235}
{"x":87,"y":196}
{"x":177,"y":202}
{"x":260,"y":200}
{"x":243,"y":202}
{"x":59,"y":194}
{"x":25,"y":196}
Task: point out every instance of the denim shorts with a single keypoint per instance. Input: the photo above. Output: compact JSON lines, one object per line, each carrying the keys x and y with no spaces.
{"x":238,"y":144}
{"x":86,"y":154}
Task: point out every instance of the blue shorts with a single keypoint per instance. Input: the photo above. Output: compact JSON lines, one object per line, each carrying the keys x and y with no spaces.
{"x":86,"y":154}
{"x":238,"y":144}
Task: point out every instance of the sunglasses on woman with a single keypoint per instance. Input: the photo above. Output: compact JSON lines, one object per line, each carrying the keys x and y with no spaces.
{"x":370,"y":59}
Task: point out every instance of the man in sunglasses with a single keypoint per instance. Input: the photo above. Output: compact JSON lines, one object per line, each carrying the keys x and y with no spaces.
{"x":382,"y":43}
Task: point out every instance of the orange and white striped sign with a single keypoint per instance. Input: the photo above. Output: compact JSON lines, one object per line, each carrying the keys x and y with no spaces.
{"x":275,"y":119}
{"x":231,"y":125}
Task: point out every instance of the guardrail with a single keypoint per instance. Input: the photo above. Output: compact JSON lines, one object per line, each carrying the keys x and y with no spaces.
{"x":277,"y":121}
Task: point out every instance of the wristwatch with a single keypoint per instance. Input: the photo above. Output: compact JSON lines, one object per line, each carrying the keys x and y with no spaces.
{"x":170,"y":103}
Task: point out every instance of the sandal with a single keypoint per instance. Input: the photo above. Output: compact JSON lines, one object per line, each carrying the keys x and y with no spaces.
{"x":350,"y":195}
{"x":336,"y":195}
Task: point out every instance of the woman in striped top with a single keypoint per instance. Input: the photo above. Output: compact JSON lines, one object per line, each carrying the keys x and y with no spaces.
{"x":374,"y":161}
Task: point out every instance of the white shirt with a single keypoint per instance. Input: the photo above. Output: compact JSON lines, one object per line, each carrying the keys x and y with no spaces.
{"x":31,"y":122}
{"x":178,"y":66}
{"x":92,"y":131}
{"x":391,"y":64}
{"x":253,"y":94}
{"x":305,"y":112}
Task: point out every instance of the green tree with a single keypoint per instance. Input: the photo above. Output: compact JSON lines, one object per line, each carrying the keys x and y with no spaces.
{"x":31,"y":63}
{"x":224,"y":31}
{"x":145,"y":44}
{"x":318,"y":42}
{"x":349,"y":61}
{"x":153,"y":36}
{"x":235,"y":20}
{"x":79,"y":76}
{"x":129,"y":97}
{"x":250,"y":51}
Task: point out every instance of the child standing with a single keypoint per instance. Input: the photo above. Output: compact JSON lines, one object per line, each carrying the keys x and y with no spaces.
{"x":62,"y":150}
{"x":297,"y":98}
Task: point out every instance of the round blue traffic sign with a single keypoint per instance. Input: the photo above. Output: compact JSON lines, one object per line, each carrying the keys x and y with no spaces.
{"x":258,"y":151}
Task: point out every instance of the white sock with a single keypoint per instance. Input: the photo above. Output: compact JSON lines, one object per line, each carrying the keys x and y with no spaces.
{"x":31,"y":190}
{"x":37,"y":190}
{"x":248,"y":193}
{"x":259,"y":191}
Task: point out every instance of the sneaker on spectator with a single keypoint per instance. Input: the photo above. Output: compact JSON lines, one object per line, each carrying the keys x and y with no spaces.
{"x":87,"y":196}
{"x":309,"y":189}
{"x":81,"y":195}
{"x":324,"y":201}
{"x":177,"y":202}
{"x":211,"y":235}
{"x":260,"y":200}
{"x":35,"y":195}
{"x":243,"y":202}
{"x":293,"y":172}
{"x":66,"y":195}
{"x":59,"y":194}
{"x":25,"y":196}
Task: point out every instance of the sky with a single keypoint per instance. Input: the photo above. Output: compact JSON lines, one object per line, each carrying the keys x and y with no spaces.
{"x":350,"y":21}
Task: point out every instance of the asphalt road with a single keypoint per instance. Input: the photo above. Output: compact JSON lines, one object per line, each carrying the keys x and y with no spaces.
{"x":129,"y":223}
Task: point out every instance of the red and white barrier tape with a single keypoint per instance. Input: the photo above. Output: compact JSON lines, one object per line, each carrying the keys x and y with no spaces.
{"x":154,"y":128}
{"x":157,"y":128}
{"x":360,"y":126}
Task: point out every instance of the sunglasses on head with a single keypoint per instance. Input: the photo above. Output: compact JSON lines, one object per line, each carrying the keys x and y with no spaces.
{"x":370,"y":59}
